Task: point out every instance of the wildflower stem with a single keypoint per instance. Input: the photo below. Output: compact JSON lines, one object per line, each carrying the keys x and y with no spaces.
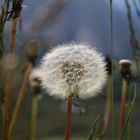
{"x":107,"y":114}
{"x":2,"y":46}
{"x":13,"y":36}
{"x":112,"y":74}
{"x":19,"y":100}
{"x":68,"y":118}
{"x":123,"y":102}
{"x":93,"y":130}
{"x":131,"y":109}
{"x":9,"y":88}
{"x":130,"y":120}
{"x":34,"y":115}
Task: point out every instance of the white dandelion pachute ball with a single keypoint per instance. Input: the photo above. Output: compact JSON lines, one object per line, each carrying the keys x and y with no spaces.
{"x":35,"y":77}
{"x":73,"y":70}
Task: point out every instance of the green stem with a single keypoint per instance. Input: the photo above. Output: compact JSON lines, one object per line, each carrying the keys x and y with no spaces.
{"x":93,"y":130}
{"x":123,"y":103}
{"x":129,"y":114}
{"x":130,"y":121}
{"x":112,"y":77}
{"x":34,"y":116}
{"x":107,"y":113}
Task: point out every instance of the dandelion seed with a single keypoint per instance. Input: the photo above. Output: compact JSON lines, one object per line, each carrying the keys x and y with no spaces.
{"x":73,"y":70}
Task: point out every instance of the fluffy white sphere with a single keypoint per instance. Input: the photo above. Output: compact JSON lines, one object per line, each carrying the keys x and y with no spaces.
{"x":73,"y":69}
{"x":35,"y":77}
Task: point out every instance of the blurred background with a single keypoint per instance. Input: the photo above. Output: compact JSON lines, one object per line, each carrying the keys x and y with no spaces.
{"x":46,"y":23}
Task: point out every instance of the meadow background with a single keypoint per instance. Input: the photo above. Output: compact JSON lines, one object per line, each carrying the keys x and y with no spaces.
{"x":52,"y":22}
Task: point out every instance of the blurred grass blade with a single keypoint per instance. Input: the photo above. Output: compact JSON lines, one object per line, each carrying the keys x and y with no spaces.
{"x":34,"y":116}
{"x":92,"y":132}
{"x":129,"y":115}
{"x":112,"y":58}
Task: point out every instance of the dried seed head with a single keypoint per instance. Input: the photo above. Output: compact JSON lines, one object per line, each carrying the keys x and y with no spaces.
{"x":73,"y":69}
{"x":125,"y":68}
{"x":32,"y":50}
{"x":35,"y":80}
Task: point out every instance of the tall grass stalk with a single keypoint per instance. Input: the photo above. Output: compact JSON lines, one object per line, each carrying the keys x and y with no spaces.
{"x":2,"y":87}
{"x":93,"y":130}
{"x":19,"y":100}
{"x":131,"y":109}
{"x":112,"y":74}
{"x":130,"y":120}
{"x":34,"y":116}
{"x":68,"y":118}
{"x":3,"y":18}
{"x":9,"y":87}
{"x":123,"y":104}
{"x":107,"y":114}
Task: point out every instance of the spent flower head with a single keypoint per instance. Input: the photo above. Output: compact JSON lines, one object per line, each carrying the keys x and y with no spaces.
{"x":35,"y":77}
{"x":73,"y":70}
{"x":125,"y":68}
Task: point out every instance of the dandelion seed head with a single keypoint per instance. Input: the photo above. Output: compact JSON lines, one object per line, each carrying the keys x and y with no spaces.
{"x":125,"y":61}
{"x":35,"y":77}
{"x":125,"y":68}
{"x":73,"y":69}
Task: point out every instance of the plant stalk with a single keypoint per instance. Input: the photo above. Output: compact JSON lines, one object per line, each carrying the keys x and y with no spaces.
{"x":34,"y":116}
{"x":130,"y":120}
{"x":123,"y":103}
{"x":9,"y":89}
{"x":112,"y":74}
{"x":19,"y":101}
{"x":107,"y":114}
{"x":68,"y":118}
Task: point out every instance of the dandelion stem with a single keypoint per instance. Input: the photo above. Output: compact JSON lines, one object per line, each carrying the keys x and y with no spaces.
{"x":19,"y":100}
{"x":123,"y":102}
{"x":34,"y":115}
{"x":130,"y":120}
{"x":9,"y":95}
{"x":68,"y":118}
{"x":107,"y":114}
{"x":129,"y":113}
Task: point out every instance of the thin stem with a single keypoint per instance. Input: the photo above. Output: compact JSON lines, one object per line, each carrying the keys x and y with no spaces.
{"x":19,"y":100}
{"x":107,"y":114}
{"x":2,"y":45}
{"x":68,"y":119}
{"x":13,"y":37}
{"x":93,"y":130}
{"x":130,"y":120}
{"x":34,"y":116}
{"x":123,"y":103}
{"x":112,"y":74}
{"x":129,"y":113}
{"x":9,"y":92}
